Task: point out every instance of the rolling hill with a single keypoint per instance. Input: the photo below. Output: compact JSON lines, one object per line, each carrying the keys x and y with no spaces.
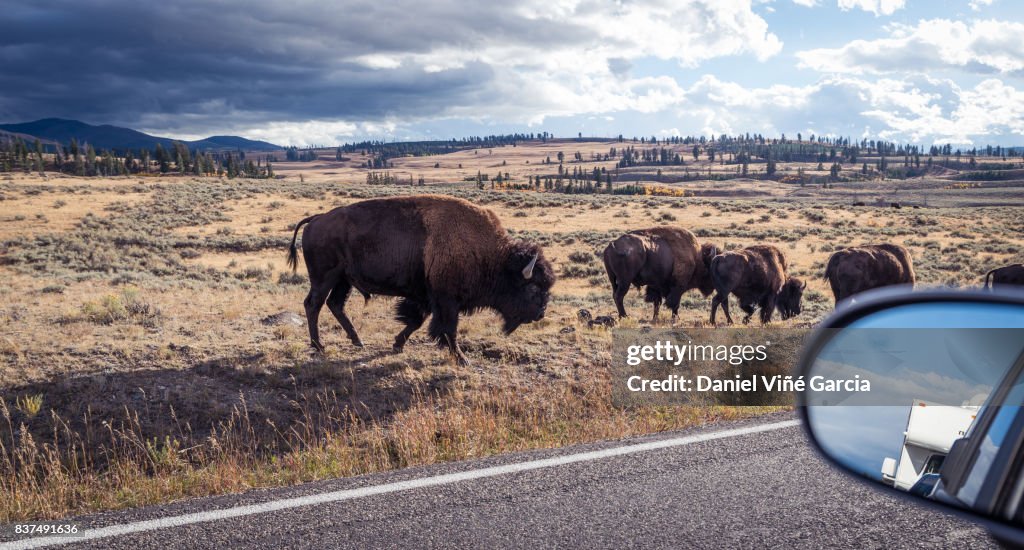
{"x":117,"y":138}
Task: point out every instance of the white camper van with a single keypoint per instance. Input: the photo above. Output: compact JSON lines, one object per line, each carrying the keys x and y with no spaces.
{"x":931,"y":431}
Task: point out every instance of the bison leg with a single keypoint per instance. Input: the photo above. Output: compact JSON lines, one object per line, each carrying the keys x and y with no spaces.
{"x":618,"y":294}
{"x":725,"y":308}
{"x":336,"y":303}
{"x":767,"y":308}
{"x":749,"y":310}
{"x":314,"y":302}
{"x":412,"y":314}
{"x":654,"y":296}
{"x":444,"y":325}
{"x":723,"y":299}
{"x":672,"y":301}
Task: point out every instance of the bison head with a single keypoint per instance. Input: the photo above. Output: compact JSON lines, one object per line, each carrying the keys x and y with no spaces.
{"x":522,"y":292}
{"x":788,"y":302}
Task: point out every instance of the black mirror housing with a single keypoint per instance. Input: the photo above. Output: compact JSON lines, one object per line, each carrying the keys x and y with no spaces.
{"x":946,"y":434}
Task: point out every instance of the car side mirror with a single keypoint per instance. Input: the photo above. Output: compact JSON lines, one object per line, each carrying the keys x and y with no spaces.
{"x":937,"y":411}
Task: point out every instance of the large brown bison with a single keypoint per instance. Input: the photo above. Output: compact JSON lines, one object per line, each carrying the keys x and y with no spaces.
{"x":757,"y":276}
{"x":859,"y":268}
{"x":667,"y":260}
{"x":441,"y":255}
{"x":1007,"y":275}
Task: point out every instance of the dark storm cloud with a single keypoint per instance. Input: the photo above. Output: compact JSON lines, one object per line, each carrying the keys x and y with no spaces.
{"x":124,"y":61}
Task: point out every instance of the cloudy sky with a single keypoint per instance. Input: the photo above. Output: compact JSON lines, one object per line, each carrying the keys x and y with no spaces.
{"x":302,"y":72}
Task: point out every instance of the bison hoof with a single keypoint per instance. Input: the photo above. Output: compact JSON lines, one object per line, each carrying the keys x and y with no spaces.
{"x":357,"y":343}
{"x":398,"y":348}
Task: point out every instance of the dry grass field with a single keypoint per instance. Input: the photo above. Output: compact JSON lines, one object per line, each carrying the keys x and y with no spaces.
{"x":135,"y":366}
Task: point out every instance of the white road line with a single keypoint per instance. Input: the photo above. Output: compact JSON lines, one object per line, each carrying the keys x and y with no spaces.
{"x":349,"y":494}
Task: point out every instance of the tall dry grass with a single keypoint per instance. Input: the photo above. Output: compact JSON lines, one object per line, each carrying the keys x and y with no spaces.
{"x":111,"y":464}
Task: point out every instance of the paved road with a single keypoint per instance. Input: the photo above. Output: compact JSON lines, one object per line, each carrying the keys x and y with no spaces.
{"x":756,"y":490}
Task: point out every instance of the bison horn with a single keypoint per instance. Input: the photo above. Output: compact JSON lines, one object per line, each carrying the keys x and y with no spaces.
{"x":804,"y":287}
{"x":528,"y":270}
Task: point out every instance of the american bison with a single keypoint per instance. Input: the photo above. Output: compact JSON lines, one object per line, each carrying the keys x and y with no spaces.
{"x":859,"y":268}
{"x":757,"y":276}
{"x":441,"y":255}
{"x":1006,"y":275}
{"x":667,"y":260}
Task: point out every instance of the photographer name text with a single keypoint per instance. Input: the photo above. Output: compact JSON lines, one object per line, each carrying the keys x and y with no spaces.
{"x":780,"y":383}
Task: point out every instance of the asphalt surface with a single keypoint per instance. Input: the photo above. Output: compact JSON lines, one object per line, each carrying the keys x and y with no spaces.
{"x":750,"y":491}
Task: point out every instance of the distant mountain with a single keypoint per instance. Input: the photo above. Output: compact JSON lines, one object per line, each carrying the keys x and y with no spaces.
{"x":235,"y":142}
{"x":9,"y":136}
{"x":116,"y":138}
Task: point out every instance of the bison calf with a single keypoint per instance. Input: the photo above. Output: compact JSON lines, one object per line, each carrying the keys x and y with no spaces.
{"x":667,"y":260}
{"x":859,"y":268}
{"x":441,"y":255}
{"x":1006,"y":275}
{"x":757,"y":276}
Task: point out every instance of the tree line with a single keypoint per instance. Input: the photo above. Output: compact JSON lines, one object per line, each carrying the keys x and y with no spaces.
{"x":85,"y":160}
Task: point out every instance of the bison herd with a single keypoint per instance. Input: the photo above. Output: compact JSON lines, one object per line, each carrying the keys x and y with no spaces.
{"x":443,"y":256}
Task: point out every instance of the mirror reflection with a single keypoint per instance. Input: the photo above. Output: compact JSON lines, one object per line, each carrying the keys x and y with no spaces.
{"x":943,"y":419}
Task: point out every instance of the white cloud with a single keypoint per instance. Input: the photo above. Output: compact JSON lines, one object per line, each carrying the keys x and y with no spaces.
{"x":597,"y":31}
{"x":378,"y":61}
{"x":920,"y":110}
{"x":915,"y":109}
{"x":987,"y":46}
{"x":311,"y":132}
{"x":587,"y":61}
{"x":587,"y":69}
{"x":877,"y":7}
{"x":976,"y":5}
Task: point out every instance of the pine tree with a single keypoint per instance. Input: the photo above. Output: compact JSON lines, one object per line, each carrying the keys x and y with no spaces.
{"x":39,"y":157}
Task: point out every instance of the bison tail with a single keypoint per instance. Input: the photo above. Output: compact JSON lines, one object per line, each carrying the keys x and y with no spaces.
{"x":987,"y":276}
{"x":829,"y":269}
{"x":716,"y":277}
{"x":293,"y":251}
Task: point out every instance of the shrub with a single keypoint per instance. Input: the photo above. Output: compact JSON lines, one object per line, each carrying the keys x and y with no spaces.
{"x":580,"y":257}
{"x":812,"y":216}
{"x":290,"y":279}
{"x":578,"y":271}
{"x":126,"y":306}
{"x":254,"y":274}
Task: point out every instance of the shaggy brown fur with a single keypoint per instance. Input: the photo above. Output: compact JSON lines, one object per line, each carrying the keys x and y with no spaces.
{"x":757,"y":276}
{"x":667,"y":260}
{"x":442,"y":255}
{"x":859,"y":268}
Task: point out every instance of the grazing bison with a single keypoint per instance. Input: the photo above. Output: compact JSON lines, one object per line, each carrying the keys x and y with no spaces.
{"x":1006,"y":275}
{"x":441,"y":255}
{"x":757,"y":276}
{"x":861,"y":268}
{"x":667,"y":260}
